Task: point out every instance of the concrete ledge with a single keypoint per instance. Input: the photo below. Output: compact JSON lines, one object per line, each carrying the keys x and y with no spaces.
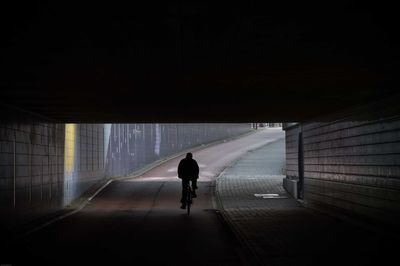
{"x":290,"y":186}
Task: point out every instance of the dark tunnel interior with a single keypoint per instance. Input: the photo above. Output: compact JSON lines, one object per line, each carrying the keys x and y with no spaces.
{"x":196,"y":62}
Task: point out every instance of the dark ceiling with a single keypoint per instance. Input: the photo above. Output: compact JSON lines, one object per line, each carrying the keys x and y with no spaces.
{"x":196,"y":62}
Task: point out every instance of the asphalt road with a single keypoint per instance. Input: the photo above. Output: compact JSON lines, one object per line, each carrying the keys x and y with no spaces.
{"x":138,"y":221}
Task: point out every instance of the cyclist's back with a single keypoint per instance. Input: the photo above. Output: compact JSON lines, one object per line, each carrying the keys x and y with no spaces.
{"x":188,"y":170}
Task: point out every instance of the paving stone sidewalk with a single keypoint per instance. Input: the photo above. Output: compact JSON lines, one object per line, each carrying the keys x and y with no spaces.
{"x":279,"y":230}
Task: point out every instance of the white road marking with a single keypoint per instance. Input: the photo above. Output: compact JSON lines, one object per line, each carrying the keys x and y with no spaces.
{"x":153,"y":178}
{"x":270,"y":196}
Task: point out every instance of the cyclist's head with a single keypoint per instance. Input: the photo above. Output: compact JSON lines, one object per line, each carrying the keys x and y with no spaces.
{"x":189,"y":155}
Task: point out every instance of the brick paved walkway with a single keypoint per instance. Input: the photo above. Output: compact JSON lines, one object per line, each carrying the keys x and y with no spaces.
{"x":280,"y":231}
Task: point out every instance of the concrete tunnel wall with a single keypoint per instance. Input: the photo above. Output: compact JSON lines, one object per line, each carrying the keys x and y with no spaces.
{"x":45,"y":166}
{"x":351,"y":164}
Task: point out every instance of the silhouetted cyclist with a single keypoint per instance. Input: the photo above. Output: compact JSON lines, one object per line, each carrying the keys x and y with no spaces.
{"x":188,"y":170}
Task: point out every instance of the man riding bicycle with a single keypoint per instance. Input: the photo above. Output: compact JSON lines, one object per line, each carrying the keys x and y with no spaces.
{"x":188,"y":170}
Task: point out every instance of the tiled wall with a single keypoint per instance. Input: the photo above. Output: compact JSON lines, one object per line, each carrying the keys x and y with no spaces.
{"x":45,"y":166}
{"x":83,"y":158}
{"x":351,"y":165}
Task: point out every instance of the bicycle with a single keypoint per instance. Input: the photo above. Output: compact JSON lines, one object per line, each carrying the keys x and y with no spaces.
{"x":189,"y":198}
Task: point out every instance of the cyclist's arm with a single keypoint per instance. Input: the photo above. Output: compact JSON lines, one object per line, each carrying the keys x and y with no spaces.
{"x":180,"y":170}
{"x":197,"y":170}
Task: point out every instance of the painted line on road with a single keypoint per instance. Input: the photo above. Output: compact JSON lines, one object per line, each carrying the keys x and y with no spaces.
{"x":100,"y":189}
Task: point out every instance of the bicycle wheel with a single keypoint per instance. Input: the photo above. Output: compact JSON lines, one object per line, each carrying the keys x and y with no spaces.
{"x":189,"y":201}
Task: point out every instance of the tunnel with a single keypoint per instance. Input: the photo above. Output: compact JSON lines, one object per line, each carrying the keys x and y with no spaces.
{"x":290,"y":110}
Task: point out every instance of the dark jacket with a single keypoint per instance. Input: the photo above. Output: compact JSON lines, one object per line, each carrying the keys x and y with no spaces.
{"x":188,"y":169}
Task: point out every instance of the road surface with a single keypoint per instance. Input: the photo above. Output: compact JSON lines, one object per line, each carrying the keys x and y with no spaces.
{"x":138,"y":221}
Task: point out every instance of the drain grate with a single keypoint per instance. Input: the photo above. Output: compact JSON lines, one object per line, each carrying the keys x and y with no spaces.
{"x":270,"y":196}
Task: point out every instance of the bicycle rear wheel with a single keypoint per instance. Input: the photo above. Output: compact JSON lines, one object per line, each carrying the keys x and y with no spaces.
{"x":189,"y":201}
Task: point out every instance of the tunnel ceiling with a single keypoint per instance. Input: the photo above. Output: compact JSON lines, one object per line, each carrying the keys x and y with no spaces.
{"x":196,"y":62}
